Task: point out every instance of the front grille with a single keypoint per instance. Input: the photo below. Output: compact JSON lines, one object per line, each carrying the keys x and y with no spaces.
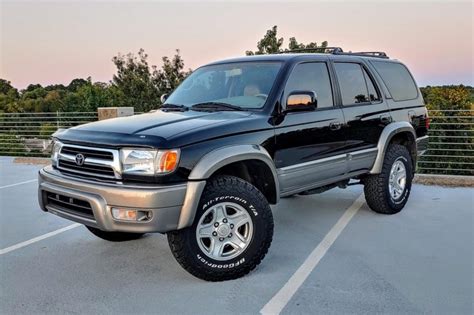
{"x":105,"y":155}
{"x":70,"y":205}
{"x":94,"y":163}
{"x":94,"y":169}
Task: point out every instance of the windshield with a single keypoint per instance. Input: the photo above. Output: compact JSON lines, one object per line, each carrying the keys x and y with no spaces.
{"x":245,"y":84}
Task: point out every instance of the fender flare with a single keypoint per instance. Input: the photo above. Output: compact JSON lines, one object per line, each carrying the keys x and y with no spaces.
{"x":388,"y":133}
{"x":213,"y":161}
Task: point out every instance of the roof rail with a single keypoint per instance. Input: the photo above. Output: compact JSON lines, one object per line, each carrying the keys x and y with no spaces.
{"x":377,"y":54}
{"x":321,"y":50}
{"x":338,"y":51}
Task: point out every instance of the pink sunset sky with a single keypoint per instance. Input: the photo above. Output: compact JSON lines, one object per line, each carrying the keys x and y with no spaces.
{"x":55,"y":42}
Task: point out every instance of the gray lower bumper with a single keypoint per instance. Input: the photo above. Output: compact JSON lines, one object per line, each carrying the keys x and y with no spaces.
{"x":172,"y":206}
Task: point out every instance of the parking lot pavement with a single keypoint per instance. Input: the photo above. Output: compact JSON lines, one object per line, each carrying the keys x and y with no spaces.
{"x":418,"y":261}
{"x":21,"y":218}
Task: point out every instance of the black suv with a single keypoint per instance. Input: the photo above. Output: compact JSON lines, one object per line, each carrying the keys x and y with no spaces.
{"x":233,"y":138}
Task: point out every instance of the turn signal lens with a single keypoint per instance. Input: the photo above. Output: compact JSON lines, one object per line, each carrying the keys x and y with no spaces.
{"x":167,"y":161}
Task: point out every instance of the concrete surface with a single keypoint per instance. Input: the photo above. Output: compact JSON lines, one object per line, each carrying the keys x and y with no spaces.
{"x":418,"y":261}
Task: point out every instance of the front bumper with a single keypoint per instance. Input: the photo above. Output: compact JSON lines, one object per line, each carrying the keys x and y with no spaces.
{"x":172,"y":206}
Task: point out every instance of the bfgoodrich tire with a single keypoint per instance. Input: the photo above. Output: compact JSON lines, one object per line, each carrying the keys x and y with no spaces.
{"x":388,"y":192}
{"x":114,"y":236}
{"x":231,"y":233}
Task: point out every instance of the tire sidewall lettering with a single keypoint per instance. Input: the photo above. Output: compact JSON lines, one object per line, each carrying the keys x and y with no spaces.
{"x":243,"y":202}
{"x":220,"y":266}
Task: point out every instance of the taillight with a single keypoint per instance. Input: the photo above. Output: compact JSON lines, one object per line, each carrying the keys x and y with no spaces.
{"x":427,"y":122}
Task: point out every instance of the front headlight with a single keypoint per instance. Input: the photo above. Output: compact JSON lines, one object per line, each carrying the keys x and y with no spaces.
{"x":55,"y":152}
{"x":148,"y":162}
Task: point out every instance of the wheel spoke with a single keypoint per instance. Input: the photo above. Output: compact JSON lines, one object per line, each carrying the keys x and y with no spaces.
{"x":399,"y":190}
{"x":219,"y":213}
{"x":240,"y":219}
{"x":206,"y":230}
{"x":402,"y":175}
{"x":216,"y":248}
{"x":237,"y":241}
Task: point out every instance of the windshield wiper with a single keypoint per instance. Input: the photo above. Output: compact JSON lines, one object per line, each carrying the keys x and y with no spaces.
{"x":174,"y":107}
{"x":210,"y":106}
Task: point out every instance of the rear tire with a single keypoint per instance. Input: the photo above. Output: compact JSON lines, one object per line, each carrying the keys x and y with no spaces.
{"x":388,"y":192}
{"x":114,"y":236}
{"x":231,"y":232}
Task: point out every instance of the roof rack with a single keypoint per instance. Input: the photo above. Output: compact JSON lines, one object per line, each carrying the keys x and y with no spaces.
{"x":339,"y":51}
{"x":378,"y":54}
{"x":321,"y":50}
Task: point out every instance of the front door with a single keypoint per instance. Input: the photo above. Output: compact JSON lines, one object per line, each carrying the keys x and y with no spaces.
{"x":309,"y":145}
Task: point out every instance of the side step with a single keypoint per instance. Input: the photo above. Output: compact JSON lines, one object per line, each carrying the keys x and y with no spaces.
{"x":342,"y":184}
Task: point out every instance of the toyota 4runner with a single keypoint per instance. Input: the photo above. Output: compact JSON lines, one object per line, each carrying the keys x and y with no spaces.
{"x":232,"y":139}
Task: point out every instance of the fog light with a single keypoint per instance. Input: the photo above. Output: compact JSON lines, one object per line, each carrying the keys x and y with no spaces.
{"x":130,"y":214}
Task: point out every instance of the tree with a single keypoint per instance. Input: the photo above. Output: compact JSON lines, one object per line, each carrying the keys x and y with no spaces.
{"x":171,"y":74}
{"x":141,"y":86}
{"x":9,"y":97}
{"x":76,"y":84}
{"x":32,"y":87}
{"x":309,"y":48}
{"x":134,"y":80}
{"x":451,"y":150}
{"x":271,"y":44}
{"x":6,"y":87}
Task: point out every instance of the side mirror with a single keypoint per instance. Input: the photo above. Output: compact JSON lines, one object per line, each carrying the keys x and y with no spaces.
{"x":301,"y":101}
{"x":164,"y":97}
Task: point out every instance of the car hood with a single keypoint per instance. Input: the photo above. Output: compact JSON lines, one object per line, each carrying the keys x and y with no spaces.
{"x":155,"y":129}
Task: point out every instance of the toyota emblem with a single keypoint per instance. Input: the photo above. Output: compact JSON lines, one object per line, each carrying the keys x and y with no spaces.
{"x":80,"y":159}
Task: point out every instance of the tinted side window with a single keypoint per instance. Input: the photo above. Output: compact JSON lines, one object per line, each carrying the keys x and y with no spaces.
{"x":352,"y":83}
{"x":373,"y":94}
{"x":312,"y":76}
{"x":397,"y":79}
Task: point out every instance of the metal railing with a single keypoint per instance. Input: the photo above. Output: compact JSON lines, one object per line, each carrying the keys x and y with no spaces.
{"x":451,"y":145}
{"x":450,"y":150}
{"x":29,"y":134}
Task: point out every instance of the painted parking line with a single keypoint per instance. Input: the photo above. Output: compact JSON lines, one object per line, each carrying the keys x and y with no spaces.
{"x":21,"y":183}
{"x":279,"y":301}
{"x":38,"y":238}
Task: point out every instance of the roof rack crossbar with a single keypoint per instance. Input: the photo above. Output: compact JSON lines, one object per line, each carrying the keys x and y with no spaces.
{"x":330,"y":50}
{"x":372,"y":53}
{"x":339,"y":51}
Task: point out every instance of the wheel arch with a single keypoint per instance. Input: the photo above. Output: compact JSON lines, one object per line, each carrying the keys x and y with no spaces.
{"x":401,"y":132}
{"x":249,"y":162}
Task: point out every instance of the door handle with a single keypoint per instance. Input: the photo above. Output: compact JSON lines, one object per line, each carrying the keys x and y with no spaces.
{"x":335,"y":125}
{"x":386,"y":118}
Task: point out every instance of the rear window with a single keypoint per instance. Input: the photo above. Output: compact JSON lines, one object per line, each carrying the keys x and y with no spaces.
{"x":397,"y":79}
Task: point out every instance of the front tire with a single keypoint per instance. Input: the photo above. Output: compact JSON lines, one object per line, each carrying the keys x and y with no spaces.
{"x":231,"y":233}
{"x":388,"y":192}
{"x":114,"y":236}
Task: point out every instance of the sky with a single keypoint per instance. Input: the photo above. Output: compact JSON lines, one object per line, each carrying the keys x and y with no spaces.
{"x":55,"y":42}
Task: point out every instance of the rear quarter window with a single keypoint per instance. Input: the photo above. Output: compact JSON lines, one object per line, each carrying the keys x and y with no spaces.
{"x":397,"y":79}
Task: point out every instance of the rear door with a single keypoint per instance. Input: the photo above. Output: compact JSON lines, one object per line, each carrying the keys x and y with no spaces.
{"x":365,"y":112}
{"x":309,"y":145}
